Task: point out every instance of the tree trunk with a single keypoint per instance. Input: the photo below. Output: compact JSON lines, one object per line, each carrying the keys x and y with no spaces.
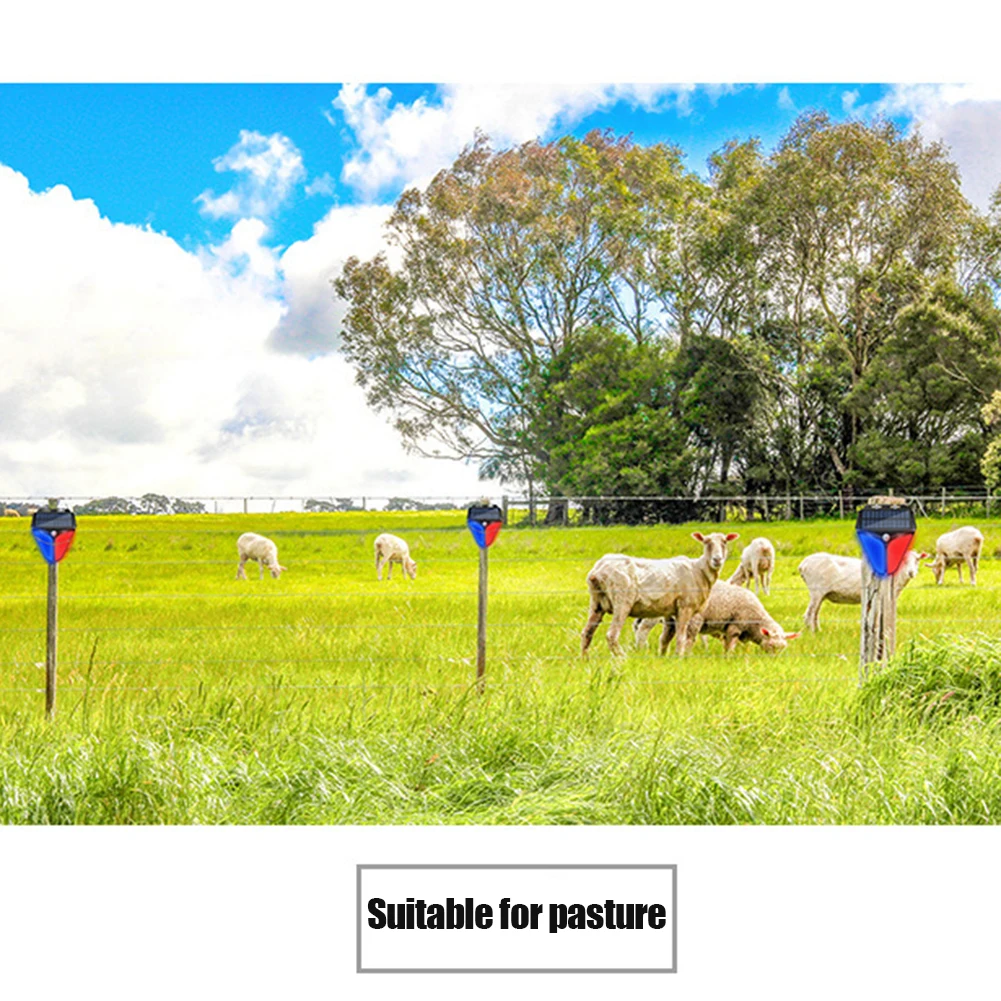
{"x":556,"y":513}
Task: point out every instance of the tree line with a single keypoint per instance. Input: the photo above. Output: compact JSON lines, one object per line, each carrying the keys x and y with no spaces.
{"x":588,"y":316}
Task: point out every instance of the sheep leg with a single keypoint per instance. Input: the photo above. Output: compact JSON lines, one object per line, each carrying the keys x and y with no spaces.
{"x":971,"y":563}
{"x":756,"y":577}
{"x":731,"y":639}
{"x":641,"y":631}
{"x":812,"y":617}
{"x":619,"y":616}
{"x":666,"y":636}
{"x":684,"y":616}
{"x":767,"y":582}
{"x":593,"y":621}
{"x":378,"y":566}
{"x":959,"y":570}
{"x":240,"y":572}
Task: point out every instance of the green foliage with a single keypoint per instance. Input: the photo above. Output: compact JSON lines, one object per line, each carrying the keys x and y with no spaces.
{"x":990,"y":464}
{"x":921,"y":397}
{"x":813,"y":318}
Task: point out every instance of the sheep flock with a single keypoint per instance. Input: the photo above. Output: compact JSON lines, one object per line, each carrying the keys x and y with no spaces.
{"x":684,"y":594}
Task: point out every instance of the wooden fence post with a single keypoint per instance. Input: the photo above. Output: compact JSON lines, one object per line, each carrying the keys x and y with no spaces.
{"x":879,"y":621}
{"x":481,"y":624}
{"x":51,"y":633}
{"x":882,"y":522}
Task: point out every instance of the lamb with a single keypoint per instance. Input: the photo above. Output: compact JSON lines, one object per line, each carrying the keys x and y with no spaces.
{"x":838,"y":579}
{"x":390,"y":549}
{"x":9,"y":512}
{"x":731,"y":613}
{"x":251,"y":546}
{"x":956,"y":548}
{"x":757,"y":562}
{"x":678,"y":587}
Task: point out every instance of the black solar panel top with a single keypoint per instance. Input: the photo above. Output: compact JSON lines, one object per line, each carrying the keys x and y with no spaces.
{"x":485,"y":514}
{"x":897,"y":518}
{"x":53,"y":521}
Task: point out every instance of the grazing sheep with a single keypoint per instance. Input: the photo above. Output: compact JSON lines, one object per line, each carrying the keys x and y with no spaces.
{"x":757,"y":562}
{"x":626,"y":586}
{"x":838,"y":579}
{"x":9,"y":512}
{"x":390,"y":549}
{"x":956,"y":548}
{"x":251,"y":546}
{"x":733,"y":614}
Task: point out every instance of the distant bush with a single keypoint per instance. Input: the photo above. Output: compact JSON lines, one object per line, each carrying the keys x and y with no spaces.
{"x":147,"y":504}
{"x":338,"y":504}
{"x":409,"y":504}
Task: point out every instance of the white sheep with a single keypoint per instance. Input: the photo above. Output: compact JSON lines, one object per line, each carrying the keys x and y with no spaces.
{"x":9,"y":512}
{"x":733,"y":614}
{"x":757,"y":562}
{"x":390,"y":549}
{"x":953,"y":549}
{"x":678,"y":587}
{"x":838,"y":579}
{"x":251,"y":546}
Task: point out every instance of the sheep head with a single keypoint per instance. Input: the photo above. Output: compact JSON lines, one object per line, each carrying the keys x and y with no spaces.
{"x":714,"y":547}
{"x":775,"y":642}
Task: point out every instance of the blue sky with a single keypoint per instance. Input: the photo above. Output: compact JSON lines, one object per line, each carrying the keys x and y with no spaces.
{"x":166,"y":316}
{"x":143,"y":152}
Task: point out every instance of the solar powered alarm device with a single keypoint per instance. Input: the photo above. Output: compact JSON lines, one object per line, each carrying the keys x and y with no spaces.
{"x":885,"y":531}
{"x":484,"y":522}
{"x":53,"y":532}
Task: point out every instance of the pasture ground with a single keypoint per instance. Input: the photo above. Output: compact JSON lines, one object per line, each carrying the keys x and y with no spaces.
{"x":186,"y":696}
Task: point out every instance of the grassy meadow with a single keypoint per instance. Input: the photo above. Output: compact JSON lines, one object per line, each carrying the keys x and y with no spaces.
{"x":187,"y":696}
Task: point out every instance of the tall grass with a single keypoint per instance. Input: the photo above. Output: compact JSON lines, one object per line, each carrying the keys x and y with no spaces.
{"x":186,"y":696}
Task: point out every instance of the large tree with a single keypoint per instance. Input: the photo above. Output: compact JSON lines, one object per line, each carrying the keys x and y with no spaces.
{"x":856,"y":218}
{"x":505,"y":259}
{"x":590,"y":316}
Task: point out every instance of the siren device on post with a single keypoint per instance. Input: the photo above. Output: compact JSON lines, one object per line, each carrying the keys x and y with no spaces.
{"x":885,"y":528}
{"x":885,"y":532}
{"x":484,"y":521}
{"x":53,"y":532}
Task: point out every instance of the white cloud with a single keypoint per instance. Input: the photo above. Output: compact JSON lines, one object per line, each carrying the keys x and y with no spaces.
{"x":244,"y":253}
{"x":133,"y":365}
{"x":322,"y":185}
{"x":967,"y":117}
{"x":313,"y":317}
{"x":785,"y":101}
{"x":267,"y":168}
{"x":400,"y":144}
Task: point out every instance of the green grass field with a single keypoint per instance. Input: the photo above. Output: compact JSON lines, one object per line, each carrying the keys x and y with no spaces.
{"x":186,"y":696}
